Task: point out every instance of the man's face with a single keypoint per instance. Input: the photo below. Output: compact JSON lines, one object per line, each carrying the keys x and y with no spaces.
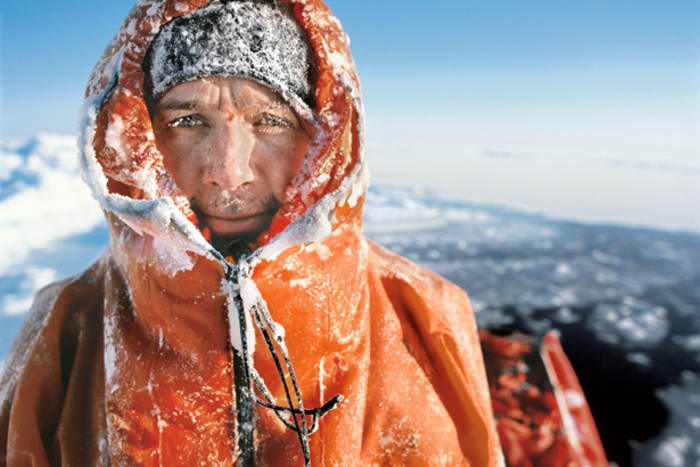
{"x":233,"y":146}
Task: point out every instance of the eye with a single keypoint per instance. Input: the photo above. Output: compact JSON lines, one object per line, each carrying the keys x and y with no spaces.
{"x":186,"y":121}
{"x":275,"y":121}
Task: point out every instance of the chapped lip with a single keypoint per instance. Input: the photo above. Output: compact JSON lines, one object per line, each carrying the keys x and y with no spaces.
{"x":241,"y":224}
{"x":234,"y":218}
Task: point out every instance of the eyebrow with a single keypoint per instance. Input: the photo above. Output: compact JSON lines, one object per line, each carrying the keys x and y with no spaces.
{"x":179,"y":105}
{"x":270,"y":106}
{"x":195,"y":105}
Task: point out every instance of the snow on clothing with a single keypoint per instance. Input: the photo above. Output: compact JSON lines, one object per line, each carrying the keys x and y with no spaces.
{"x":130,"y":363}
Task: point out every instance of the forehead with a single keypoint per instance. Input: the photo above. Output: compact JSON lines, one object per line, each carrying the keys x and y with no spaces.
{"x":212,"y":90}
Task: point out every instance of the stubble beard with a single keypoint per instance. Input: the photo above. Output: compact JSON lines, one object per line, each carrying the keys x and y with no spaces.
{"x":227,"y":205}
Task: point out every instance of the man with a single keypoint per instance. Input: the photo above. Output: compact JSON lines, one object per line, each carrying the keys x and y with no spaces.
{"x":239,"y":316}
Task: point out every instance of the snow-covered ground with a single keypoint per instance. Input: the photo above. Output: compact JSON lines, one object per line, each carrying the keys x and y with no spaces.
{"x":626,"y":301}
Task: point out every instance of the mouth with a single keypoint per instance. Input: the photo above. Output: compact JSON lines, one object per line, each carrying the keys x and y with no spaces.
{"x":243,"y":226}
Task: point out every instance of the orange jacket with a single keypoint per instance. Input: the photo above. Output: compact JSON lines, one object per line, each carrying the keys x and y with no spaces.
{"x":130,"y":363}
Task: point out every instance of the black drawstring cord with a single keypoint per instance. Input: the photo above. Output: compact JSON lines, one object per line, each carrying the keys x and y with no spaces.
{"x":303,"y":431}
{"x":243,"y":386}
{"x":244,"y":375}
{"x":314,"y":413}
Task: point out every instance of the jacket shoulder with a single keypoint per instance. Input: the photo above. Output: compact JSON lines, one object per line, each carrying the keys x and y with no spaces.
{"x":52,"y":305}
{"x":56,"y":317}
{"x":436,"y":317}
{"x":394,"y":267}
{"x":36,"y":319}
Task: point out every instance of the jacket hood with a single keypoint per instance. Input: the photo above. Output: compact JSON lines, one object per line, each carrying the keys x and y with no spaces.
{"x":125,"y":171}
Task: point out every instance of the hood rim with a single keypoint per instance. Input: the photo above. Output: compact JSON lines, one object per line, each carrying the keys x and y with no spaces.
{"x":168,"y":212}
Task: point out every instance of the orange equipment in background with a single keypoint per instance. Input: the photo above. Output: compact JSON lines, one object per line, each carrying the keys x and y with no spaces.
{"x":541,"y":413}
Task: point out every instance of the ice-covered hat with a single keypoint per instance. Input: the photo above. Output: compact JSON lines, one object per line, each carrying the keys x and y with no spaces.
{"x":244,"y":38}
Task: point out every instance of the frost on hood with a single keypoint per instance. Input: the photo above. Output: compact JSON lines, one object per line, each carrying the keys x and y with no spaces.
{"x":316,"y":224}
{"x":146,"y":198}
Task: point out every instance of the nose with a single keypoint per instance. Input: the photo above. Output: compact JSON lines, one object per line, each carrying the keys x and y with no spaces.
{"x":230,"y":155}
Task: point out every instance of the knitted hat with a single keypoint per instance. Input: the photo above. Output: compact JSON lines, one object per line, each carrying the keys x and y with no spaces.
{"x":246,"y":38}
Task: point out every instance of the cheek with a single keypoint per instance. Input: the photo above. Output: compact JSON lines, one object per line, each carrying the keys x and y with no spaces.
{"x":179,"y":164}
{"x":282,"y":163}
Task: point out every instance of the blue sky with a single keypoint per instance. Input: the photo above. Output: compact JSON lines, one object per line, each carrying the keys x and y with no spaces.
{"x":596,"y":79}
{"x":512,"y":53}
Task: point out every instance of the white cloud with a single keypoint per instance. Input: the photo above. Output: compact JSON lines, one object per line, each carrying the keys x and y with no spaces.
{"x":55,"y":205}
